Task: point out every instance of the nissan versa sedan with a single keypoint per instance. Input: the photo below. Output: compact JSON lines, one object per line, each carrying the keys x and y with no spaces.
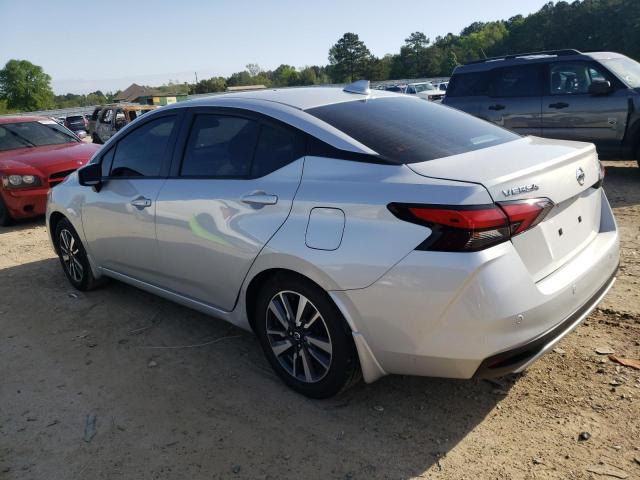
{"x":356,"y":232}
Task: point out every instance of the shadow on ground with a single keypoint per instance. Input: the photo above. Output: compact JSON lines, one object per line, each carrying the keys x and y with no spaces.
{"x":622,"y":184}
{"x":20,"y":225}
{"x":167,"y":407}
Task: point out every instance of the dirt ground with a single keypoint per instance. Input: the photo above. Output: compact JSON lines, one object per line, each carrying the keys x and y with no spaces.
{"x":116,"y":383}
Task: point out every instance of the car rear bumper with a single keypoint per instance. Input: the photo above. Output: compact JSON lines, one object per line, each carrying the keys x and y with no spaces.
{"x":453,"y":314}
{"x":25,"y":203}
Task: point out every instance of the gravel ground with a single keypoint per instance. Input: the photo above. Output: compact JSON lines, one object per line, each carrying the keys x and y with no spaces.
{"x":116,"y":383}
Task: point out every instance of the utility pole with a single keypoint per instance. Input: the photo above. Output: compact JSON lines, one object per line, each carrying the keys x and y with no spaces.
{"x":196,"y":74}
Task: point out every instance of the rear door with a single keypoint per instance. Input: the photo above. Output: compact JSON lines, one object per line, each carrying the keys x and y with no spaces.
{"x":228,"y":194}
{"x":570,"y":112}
{"x":119,"y":219}
{"x":514,"y":100}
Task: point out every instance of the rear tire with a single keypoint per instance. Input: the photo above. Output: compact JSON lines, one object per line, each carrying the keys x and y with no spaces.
{"x":73,"y":257}
{"x":5,"y":216}
{"x":305,"y":337}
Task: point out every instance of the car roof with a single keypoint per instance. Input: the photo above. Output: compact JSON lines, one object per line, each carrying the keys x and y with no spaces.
{"x":18,"y":119}
{"x":302,"y":98}
{"x":533,"y":58}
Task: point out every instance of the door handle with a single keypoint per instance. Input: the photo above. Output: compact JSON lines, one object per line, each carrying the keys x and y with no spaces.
{"x":258,"y":199}
{"x":558,"y":105}
{"x":497,"y":107}
{"x":141,"y":202}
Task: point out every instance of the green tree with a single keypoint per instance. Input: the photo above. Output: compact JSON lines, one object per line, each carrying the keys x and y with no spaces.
{"x":349,"y":58}
{"x":25,"y":86}
{"x":450,"y":62}
{"x":285,"y":76}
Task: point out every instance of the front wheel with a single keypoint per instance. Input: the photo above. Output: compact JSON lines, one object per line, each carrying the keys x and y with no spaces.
{"x":73,"y":257}
{"x":305,"y":337}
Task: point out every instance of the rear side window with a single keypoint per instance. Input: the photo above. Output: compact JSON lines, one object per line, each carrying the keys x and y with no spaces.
{"x":468,"y":84}
{"x":219,"y":146}
{"x":140,"y":153}
{"x":276,"y":148}
{"x":521,"y":81}
{"x":409,"y":130}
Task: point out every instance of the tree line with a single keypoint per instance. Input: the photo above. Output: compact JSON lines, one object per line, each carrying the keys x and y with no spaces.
{"x":584,"y":25}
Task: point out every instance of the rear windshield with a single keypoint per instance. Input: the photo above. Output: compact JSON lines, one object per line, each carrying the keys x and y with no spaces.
{"x":410,"y":130}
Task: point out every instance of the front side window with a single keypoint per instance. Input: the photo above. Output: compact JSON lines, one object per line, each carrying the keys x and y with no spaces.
{"x":408,"y":130}
{"x":469,"y":84}
{"x":570,"y":78}
{"x":521,"y":81}
{"x":141,"y":152}
{"x":33,"y":134}
{"x":219,"y":146}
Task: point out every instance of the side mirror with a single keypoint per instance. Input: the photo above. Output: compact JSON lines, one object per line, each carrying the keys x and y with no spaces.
{"x":90,"y":175}
{"x":599,"y":87}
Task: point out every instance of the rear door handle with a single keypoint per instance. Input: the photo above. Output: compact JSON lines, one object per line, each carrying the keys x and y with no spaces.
{"x":141,"y":202}
{"x":258,"y":199}
{"x":558,"y":105}
{"x":496,"y":107}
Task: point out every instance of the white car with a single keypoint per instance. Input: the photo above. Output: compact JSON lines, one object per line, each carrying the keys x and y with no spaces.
{"x":425,"y":90}
{"x":354,"y":231}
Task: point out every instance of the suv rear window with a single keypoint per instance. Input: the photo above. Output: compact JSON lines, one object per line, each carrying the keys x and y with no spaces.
{"x":468,"y":84}
{"x":409,"y":130}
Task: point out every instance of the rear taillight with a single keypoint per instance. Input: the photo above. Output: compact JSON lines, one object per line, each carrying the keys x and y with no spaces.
{"x":469,"y":228}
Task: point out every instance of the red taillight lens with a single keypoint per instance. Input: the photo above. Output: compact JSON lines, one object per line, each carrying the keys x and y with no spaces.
{"x":526,"y":214}
{"x":470,"y":228}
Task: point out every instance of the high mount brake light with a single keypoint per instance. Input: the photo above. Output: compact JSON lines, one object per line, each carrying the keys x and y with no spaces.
{"x":469,"y":228}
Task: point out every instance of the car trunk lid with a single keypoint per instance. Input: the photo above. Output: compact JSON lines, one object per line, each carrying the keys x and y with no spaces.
{"x":532,"y":167}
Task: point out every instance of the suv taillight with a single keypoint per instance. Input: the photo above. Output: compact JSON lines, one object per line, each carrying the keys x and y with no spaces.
{"x":469,"y":228}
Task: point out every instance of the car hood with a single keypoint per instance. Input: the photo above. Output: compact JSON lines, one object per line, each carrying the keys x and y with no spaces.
{"x":49,"y":158}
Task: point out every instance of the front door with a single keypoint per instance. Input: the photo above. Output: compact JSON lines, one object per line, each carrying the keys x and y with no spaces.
{"x":569,"y":112}
{"x":229,"y":193}
{"x":119,"y":219}
{"x":514,"y":99}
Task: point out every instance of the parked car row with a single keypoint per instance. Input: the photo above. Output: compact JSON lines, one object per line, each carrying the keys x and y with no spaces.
{"x":425,"y":90}
{"x":322,"y":222}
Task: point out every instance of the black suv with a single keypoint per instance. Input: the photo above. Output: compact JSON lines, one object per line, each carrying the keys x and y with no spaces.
{"x":566,"y":94}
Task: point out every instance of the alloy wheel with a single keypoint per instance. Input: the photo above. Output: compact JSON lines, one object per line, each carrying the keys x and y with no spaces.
{"x":298,"y":336}
{"x":69,"y":252}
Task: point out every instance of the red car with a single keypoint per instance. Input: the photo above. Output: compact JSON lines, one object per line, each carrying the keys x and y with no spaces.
{"x":36,"y":154}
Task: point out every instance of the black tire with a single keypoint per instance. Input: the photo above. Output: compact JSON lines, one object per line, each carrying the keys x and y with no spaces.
{"x":318,"y":373}
{"x":5,"y":216}
{"x":73,"y":257}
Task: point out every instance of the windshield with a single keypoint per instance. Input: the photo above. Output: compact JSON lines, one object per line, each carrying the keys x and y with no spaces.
{"x":409,"y":130}
{"x":625,"y":69}
{"x":33,"y":134}
{"x":421,"y":87}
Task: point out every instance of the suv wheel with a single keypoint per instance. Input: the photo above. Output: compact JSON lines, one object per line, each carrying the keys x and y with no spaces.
{"x":305,"y":338}
{"x":73,"y":257}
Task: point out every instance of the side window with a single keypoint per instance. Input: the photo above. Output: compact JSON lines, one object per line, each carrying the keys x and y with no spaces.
{"x":521,"y":81}
{"x":569,"y":78}
{"x":219,"y":146}
{"x":107,"y":160}
{"x":411,"y":90}
{"x":275,"y":149}
{"x":140,"y":153}
{"x":94,"y":115}
{"x":468,"y":84}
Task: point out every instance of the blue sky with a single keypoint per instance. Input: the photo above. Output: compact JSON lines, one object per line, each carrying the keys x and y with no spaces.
{"x":108,"y":44}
